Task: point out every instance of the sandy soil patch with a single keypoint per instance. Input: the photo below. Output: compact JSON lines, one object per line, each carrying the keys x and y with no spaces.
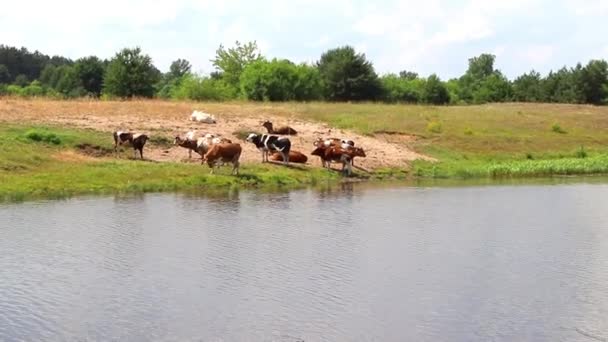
{"x":168,"y":119}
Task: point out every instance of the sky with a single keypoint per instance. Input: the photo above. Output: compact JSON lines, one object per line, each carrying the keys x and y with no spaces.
{"x":429,"y":36}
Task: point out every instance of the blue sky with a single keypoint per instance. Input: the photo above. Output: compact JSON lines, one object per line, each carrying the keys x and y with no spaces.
{"x":430,"y":36}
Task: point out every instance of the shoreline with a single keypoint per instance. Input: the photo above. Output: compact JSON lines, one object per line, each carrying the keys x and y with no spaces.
{"x":58,"y":149}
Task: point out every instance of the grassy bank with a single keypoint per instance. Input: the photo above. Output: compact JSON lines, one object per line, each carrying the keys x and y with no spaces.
{"x":53,"y":162}
{"x":486,"y":141}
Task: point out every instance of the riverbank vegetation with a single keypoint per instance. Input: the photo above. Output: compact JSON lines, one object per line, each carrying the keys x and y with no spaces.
{"x":43,"y":161}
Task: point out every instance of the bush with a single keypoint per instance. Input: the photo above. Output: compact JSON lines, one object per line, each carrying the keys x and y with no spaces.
{"x":14,"y":90}
{"x":203,"y":89}
{"x":41,"y":136}
{"x":34,"y":89}
{"x":280,"y":80}
{"x":581,"y":153}
{"x":434,"y":127}
{"x":398,"y":89}
{"x":558,"y":129}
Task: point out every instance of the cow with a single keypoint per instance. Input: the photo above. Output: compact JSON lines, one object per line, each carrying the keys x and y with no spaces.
{"x":137,"y":140}
{"x":223,"y":153}
{"x":283,"y":130}
{"x":294,"y":157}
{"x":199,"y":116}
{"x":344,"y":143}
{"x":267,"y":142}
{"x":198,"y":144}
{"x":338,"y":154}
{"x":189,"y":144}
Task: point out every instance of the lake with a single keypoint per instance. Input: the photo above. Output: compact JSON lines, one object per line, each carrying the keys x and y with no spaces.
{"x":352,"y":263}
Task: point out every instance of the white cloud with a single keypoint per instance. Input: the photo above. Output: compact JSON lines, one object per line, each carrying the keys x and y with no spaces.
{"x":421,"y":35}
{"x":537,"y":54}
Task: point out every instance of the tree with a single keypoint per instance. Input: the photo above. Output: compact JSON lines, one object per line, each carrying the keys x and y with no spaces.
{"x":401,"y":89}
{"x":5,"y":76}
{"x":482,"y":83}
{"x":90,"y":71}
{"x":69,"y":83}
{"x":408,"y":75}
{"x":527,"y":87}
{"x":179,"y":68}
{"x":594,"y":78}
{"x":563,"y":86}
{"x":493,"y":88}
{"x":280,"y":80}
{"x":434,"y":91}
{"x":347,"y":75}
{"x":232,"y":61}
{"x":130,"y":73}
{"x":21,"y":80}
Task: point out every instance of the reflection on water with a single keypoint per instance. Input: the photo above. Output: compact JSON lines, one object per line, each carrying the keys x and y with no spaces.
{"x":348,"y":263}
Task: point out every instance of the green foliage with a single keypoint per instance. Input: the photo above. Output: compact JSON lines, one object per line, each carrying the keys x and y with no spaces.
{"x":434,"y":127}
{"x":434,"y":91}
{"x":179,"y":68}
{"x":23,"y":62}
{"x":514,"y":168}
{"x":5,"y":75}
{"x":33,"y":89}
{"x":130,"y":73}
{"x":232,"y":61}
{"x":89,"y":72}
{"x":401,"y":89}
{"x":564,"y":86}
{"x":21,"y":80}
{"x":558,"y":129}
{"x":14,"y":90}
{"x":481,"y":83}
{"x":348,"y":76}
{"x":43,"y":136}
{"x":280,"y":80}
{"x":594,"y":78}
{"x":528,"y":87}
{"x":581,"y":153}
{"x":197,"y":88}
{"x":493,"y":88}
{"x":408,"y":75}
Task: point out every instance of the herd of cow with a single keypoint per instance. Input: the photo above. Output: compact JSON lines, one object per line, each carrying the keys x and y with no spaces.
{"x":216,"y":150}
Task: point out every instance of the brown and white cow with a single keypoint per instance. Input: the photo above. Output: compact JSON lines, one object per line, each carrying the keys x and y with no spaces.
{"x":136,"y":140}
{"x":224,"y":153}
{"x":338,"y":154}
{"x":294,"y":156}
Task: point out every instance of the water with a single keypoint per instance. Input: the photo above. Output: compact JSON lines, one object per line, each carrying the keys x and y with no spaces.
{"x":502,"y":263}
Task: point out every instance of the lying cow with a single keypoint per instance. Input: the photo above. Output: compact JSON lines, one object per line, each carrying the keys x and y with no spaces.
{"x":199,"y":116}
{"x":223,"y":153}
{"x":294,"y":157}
{"x":137,"y":140}
{"x":267,"y":143}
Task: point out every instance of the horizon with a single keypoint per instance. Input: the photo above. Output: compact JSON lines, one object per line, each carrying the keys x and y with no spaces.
{"x":436,"y":37}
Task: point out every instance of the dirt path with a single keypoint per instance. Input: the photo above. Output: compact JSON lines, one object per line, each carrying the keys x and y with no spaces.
{"x":169,"y":119}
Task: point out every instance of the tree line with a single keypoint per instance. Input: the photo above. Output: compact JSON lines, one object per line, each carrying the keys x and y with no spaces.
{"x":242,"y":72}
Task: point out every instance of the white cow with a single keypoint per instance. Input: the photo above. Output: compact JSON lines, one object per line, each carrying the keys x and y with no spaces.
{"x":203,"y":117}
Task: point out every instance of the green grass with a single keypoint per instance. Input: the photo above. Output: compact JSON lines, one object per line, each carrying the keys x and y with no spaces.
{"x":35,"y":168}
{"x":493,"y":140}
